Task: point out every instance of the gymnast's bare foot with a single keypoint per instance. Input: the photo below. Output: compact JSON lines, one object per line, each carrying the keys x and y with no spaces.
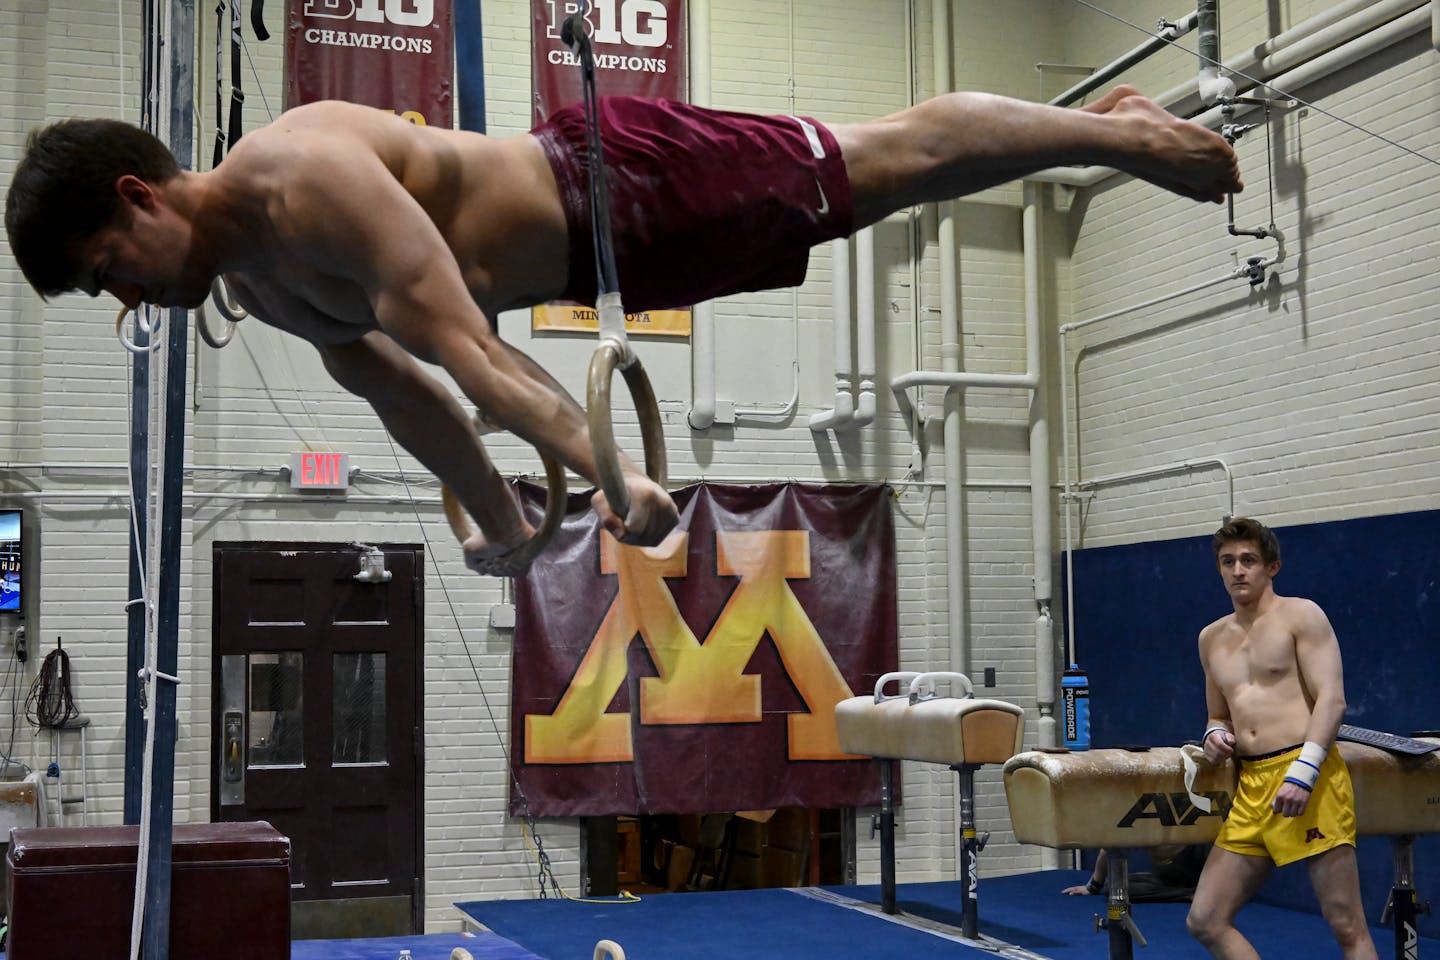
{"x":1107,"y":103}
{"x":1181,"y":156}
{"x":651,"y":517}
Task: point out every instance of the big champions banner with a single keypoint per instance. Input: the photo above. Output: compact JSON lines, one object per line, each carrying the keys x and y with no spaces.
{"x":703,"y":674}
{"x":639,"y":51}
{"x":397,"y":55}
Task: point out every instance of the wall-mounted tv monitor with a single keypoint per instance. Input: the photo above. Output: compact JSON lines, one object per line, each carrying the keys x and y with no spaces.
{"x":10,"y":554}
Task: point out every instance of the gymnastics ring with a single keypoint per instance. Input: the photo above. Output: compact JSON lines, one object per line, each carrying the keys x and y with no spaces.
{"x":228,"y":306}
{"x":609,"y":355}
{"x":608,"y":948}
{"x":229,"y":309}
{"x":131,"y":345}
{"x":519,"y":559}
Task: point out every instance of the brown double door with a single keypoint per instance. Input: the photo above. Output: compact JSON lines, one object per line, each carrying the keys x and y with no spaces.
{"x":317,"y":719}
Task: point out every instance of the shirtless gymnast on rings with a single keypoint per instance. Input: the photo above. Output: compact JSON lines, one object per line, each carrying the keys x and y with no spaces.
{"x":381,"y":242}
{"x":1275,"y":693}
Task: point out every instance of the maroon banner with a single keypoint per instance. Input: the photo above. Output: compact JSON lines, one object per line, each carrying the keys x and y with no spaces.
{"x":639,"y":50}
{"x":702,"y":675}
{"x":398,"y":55}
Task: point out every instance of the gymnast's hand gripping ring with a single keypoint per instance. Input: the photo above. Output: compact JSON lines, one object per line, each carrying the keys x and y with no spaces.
{"x":611,"y":353}
{"x":519,"y":559}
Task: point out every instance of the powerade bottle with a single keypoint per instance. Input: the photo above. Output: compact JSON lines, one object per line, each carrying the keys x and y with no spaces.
{"x":1075,"y":697}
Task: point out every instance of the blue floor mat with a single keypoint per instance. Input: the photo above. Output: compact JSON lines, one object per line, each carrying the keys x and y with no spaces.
{"x":1026,"y":910}
{"x":435,"y":946}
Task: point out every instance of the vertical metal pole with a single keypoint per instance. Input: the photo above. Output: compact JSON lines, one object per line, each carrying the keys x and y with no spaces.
{"x":179,"y":63}
{"x":135,"y":650}
{"x":887,"y":835}
{"x":1117,"y":912}
{"x":969,"y":854}
{"x":139,"y":496}
{"x":1402,"y":899}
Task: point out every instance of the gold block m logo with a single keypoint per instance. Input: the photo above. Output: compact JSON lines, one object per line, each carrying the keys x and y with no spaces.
{"x":698,"y":683}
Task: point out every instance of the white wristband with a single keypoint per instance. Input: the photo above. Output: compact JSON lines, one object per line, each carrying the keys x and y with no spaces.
{"x":1205,"y":737}
{"x":1305,"y":769}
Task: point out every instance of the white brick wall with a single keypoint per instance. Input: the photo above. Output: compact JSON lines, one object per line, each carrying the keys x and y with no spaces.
{"x":1320,"y":391}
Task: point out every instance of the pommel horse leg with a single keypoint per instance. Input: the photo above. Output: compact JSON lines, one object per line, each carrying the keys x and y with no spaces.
{"x":969,"y":852}
{"x":1118,"y":921}
{"x":1403,"y":905}
{"x":887,"y":835}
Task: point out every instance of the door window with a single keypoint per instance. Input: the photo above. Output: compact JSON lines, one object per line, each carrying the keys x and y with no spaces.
{"x":358,"y":692}
{"x":277,"y":709}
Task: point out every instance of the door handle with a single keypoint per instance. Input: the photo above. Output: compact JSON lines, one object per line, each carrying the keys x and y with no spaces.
{"x":232,"y":769}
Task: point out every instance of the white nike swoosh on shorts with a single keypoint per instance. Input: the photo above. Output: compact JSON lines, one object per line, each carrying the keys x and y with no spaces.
{"x":824,"y":200}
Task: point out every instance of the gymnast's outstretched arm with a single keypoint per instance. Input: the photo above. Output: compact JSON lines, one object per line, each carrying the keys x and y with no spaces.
{"x":428,"y":422}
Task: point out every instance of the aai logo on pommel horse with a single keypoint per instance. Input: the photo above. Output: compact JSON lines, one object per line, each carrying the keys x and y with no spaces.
{"x":1173,"y":809}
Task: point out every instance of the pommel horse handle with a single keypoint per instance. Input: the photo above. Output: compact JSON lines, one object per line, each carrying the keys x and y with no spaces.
{"x":923,"y":686}
{"x":903,"y":676}
{"x":614,"y":348}
{"x":522,"y":556}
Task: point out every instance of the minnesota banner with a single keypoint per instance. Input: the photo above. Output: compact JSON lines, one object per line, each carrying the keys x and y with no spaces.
{"x":702,"y":674}
{"x":382,"y":53}
{"x":639,"y":51}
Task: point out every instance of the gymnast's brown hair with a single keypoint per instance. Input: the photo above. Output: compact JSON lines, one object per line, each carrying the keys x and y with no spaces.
{"x":1244,"y":528}
{"x":64,"y":191}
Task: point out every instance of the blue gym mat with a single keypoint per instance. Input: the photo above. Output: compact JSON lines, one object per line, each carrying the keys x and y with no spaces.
{"x":1026,"y":910}
{"x":436,"y":946}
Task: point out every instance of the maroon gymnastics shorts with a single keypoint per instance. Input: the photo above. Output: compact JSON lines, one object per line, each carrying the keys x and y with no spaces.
{"x":703,"y":203}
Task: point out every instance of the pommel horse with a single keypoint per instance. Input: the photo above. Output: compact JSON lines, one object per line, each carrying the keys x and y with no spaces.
{"x":612,"y":353}
{"x":960,"y":731}
{"x":1118,"y":799}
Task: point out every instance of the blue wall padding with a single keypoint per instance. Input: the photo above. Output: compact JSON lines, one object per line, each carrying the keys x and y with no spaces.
{"x":470,"y":65}
{"x":1139,"y":609}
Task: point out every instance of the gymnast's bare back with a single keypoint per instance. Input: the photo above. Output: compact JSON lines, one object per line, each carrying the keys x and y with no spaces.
{"x":332,"y":174}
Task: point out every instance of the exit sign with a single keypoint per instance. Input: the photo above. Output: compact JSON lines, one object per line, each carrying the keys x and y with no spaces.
{"x":319,"y":471}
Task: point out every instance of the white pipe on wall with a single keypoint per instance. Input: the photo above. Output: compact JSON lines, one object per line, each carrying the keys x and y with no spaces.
{"x":865,"y":327}
{"x":1385,"y":29}
{"x":950,"y":363}
{"x":1041,"y":514}
{"x":702,"y":315}
{"x":840,"y":414}
{"x":955,"y":597}
{"x":854,"y":405}
{"x":1382,"y":37}
{"x":1212,"y":84}
{"x":1307,"y":39}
